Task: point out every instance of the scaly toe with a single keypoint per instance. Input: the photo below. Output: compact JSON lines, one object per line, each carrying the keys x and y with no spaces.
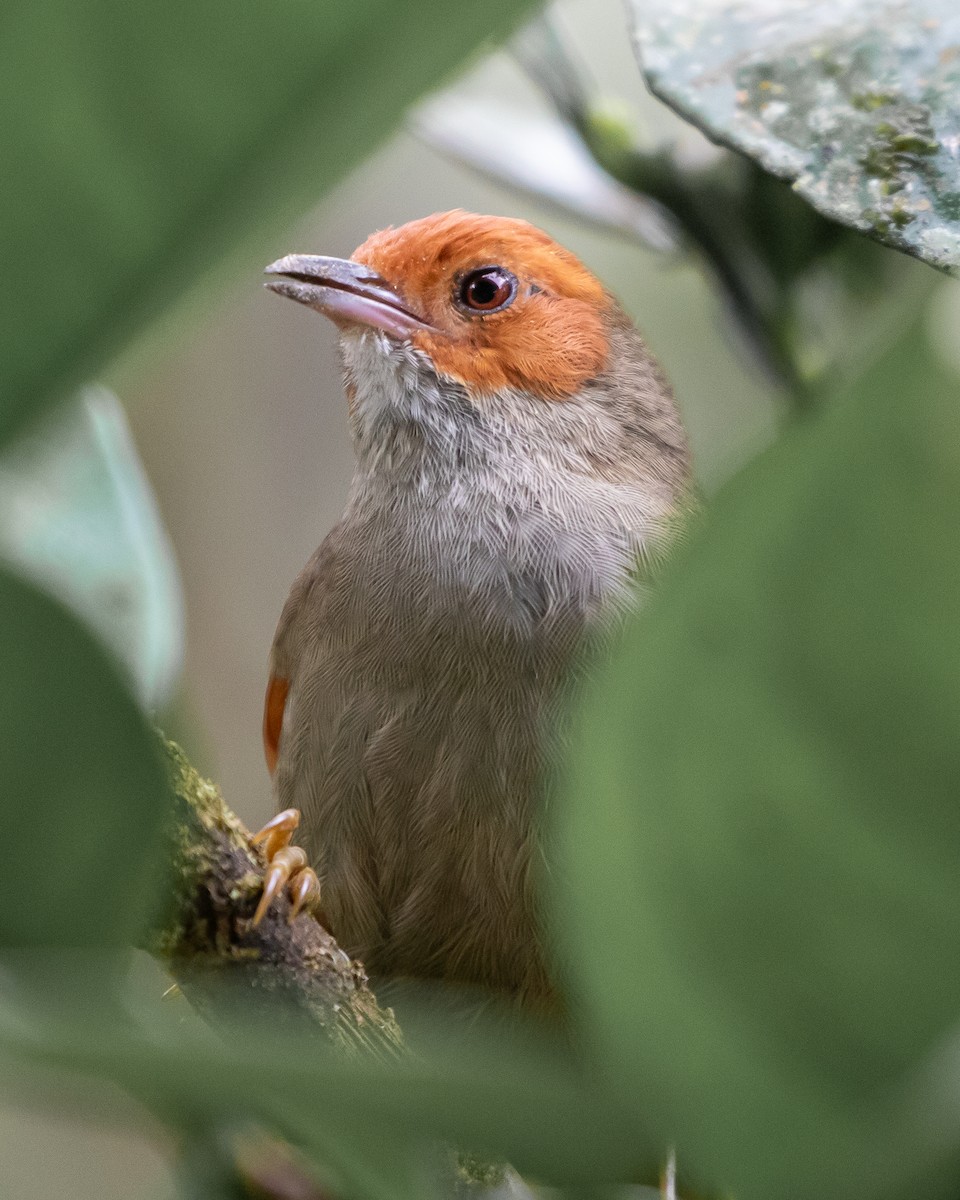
{"x":283,"y":864}
{"x":304,"y":891}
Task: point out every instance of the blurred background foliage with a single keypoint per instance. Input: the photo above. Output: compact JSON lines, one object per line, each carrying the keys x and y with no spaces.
{"x":760,"y":825}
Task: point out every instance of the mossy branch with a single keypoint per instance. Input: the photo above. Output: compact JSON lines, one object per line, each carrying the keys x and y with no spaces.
{"x":295,"y":973}
{"x":209,"y":945}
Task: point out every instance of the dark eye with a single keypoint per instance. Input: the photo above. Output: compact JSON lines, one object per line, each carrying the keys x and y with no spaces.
{"x":487,"y":289}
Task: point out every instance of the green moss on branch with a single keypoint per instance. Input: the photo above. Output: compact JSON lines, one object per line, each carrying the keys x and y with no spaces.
{"x":295,"y":973}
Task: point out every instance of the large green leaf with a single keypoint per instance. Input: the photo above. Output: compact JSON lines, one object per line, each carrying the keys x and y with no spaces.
{"x":82,"y":790}
{"x":506,"y":1096}
{"x":144,"y":141}
{"x":854,"y":101}
{"x":761,"y":833}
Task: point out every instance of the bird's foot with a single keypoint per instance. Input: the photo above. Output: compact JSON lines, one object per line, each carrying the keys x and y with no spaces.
{"x":286,"y":866}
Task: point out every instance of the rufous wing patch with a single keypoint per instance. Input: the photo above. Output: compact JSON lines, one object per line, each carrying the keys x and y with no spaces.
{"x":273,"y":706}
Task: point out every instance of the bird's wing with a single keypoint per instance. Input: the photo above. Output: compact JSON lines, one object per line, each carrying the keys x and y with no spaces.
{"x":287,"y":646}
{"x":273,"y":706}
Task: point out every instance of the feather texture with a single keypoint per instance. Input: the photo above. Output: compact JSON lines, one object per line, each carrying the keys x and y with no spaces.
{"x":489,"y":545}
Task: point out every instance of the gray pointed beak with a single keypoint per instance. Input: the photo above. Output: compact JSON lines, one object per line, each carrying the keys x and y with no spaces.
{"x":346,"y":292}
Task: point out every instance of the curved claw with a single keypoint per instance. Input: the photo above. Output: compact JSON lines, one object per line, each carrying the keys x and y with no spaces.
{"x":277,"y":832}
{"x":304,"y":890}
{"x":282,"y":865}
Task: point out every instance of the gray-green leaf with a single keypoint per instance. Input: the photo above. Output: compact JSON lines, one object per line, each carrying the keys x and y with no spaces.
{"x":77,"y":516}
{"x":543,"y":157}
{"x":855,"y":101}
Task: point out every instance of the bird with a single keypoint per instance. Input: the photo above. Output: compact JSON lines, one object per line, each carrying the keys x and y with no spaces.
{"x":521,"y":469}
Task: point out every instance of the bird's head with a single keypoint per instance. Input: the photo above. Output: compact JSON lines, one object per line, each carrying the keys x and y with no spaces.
{"x":494,"y":312}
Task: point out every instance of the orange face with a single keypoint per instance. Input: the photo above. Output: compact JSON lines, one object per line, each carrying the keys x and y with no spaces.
{"x":502,"y":305}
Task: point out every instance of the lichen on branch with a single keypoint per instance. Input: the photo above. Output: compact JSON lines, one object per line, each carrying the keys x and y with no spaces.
{"x":293,"y":973}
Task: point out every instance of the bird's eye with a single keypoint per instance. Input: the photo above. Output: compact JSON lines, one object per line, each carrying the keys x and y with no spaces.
{"x":487,"y":289}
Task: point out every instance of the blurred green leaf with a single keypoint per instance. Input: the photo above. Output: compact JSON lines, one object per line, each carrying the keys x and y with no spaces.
{"x":854,"y":101}
{"x":77,"y":516}
{"x":506,"y":1096}
{"x":761,"y":832}
{"x":83,"y":794}
{"x":543,"y":157}
{"x":144,"y":142}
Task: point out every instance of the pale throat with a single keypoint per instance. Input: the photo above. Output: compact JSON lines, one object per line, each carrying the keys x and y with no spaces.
{"x":407,"y":424}
{"x":490,"y":499}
